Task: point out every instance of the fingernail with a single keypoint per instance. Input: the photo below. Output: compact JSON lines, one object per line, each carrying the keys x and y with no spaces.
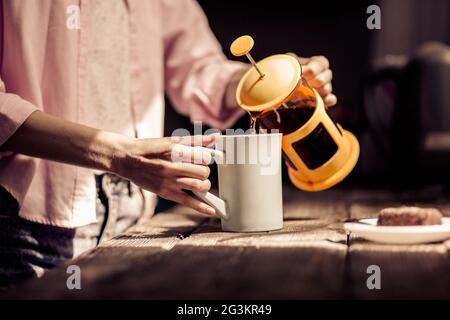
{"x":214,"y":135}
{"x":210,"y":211}
{"x":330,"y":100}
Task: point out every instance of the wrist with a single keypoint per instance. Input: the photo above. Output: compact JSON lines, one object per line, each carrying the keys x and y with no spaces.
{"x":121,"y":152}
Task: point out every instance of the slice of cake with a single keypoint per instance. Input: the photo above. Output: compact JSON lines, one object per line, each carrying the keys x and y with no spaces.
{"x":409,"y":216}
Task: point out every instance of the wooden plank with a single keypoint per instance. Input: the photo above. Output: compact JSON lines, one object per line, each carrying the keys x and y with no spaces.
{"x":227,"y":272}
{"x":198,"y":273}
{"x":407,"y":271}
{"x":306,"y":222}
{"x":298,"y":233}
{"x":163,"y":230}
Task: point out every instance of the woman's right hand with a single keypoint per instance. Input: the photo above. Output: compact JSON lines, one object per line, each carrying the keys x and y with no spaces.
{"x":166,"y":166}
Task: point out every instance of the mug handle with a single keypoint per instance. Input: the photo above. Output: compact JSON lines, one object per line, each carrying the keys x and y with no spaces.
{"x":218,"y":204}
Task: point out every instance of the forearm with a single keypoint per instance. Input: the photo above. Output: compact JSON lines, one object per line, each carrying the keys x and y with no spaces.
{"x":145,"y":162}
{"x":48,"y":137}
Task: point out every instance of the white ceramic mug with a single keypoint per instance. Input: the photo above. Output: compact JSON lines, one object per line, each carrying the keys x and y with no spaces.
{"x":250,"y":186}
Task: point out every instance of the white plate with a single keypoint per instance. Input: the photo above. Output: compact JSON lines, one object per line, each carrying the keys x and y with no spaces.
{"x":400,"y":234}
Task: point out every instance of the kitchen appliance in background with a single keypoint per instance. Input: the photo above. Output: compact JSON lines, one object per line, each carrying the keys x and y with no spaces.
{"x":407,"y":108}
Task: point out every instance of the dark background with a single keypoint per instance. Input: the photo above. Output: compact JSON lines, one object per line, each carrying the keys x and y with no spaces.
{"x":337,"y":30}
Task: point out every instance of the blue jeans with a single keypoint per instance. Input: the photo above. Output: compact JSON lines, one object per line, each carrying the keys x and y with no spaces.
{"x":27,"y":248}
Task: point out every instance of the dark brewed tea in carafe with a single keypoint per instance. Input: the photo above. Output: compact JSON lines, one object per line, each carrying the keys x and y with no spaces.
{"x":317,"y":148}
{"x":290,"y":115}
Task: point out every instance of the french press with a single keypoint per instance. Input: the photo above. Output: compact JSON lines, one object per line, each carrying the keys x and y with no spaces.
{"x":319,"y":152}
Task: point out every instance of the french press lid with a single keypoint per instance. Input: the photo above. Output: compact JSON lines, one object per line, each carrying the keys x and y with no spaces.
{"x":270,"y":82}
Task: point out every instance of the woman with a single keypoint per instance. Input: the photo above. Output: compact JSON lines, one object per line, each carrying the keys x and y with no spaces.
{"x":81,"y":114}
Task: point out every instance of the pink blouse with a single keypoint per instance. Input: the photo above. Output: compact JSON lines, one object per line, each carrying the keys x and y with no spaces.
{"x":44,"y":66}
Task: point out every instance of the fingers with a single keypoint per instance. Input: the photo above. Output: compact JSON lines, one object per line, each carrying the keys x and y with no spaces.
{"x":186,"y":169}
{"x":164,"y":168}
{"x":315,"y":65}
{"x":325,"y":89}
{"x":183,"y":153}
{"x":316,"y":71}
{"x":192,"y":149}
{"x":330,"y":100}
{"x":193,"y":184}
{"x":320,"y":79}
{"x":186,"y":200}
{"x":155,"y":169}
{"x":197,"y":140}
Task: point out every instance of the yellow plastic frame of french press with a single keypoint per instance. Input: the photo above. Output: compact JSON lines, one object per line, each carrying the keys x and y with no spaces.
{"x":336,"y":168}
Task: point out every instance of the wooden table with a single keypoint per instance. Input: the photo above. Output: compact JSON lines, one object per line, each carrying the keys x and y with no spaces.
{"x":180,"y":254}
